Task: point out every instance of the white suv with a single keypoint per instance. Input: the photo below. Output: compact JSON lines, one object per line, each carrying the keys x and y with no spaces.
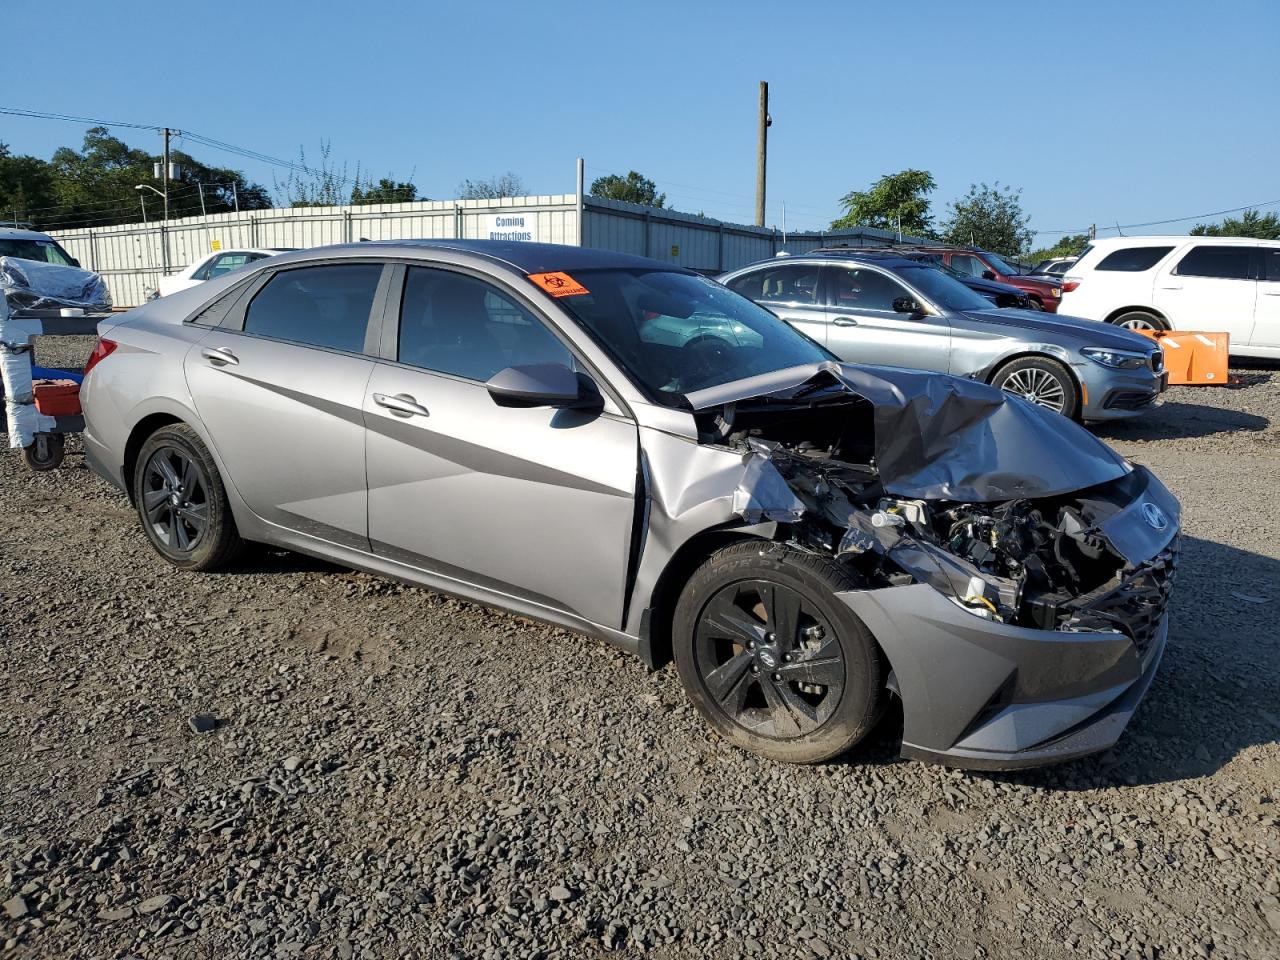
{"x":1182,"y":283}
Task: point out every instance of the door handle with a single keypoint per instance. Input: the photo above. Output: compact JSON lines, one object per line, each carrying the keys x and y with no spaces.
{"x":401,"y":404}
{"x":845,"y":322}
{"x":1271,"y":293}
{"x":220,"y":356}
{"x":1170,"y":288}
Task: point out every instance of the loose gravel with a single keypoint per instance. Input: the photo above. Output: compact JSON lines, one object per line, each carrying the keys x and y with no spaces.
{"x":294,"y":760}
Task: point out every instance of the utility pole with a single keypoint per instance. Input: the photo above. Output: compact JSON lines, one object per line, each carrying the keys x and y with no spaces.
{"x":1093,"y":231}
{"x":235,"y":196}
{"x":164,"y":171}
{"x":762,"y":150}
{"x":200,"y":187}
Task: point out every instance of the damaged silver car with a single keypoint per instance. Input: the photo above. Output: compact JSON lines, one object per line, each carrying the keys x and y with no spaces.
{"x":633,"y":451}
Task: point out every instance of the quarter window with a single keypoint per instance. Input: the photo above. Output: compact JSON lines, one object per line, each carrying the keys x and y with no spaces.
{"x":1224,"y":263}
{"x":1133,"y":259}
{"x":455,"y":324}
{"x":857,"y":289}
{"x":325,"y":306}
{"x":790,"y":283}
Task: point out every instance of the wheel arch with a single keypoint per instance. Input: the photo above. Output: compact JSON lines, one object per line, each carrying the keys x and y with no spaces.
{"x":1120,"y":311}
{"x":137,"y":437}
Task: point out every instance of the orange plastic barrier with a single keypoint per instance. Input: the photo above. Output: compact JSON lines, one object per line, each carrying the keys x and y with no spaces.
{"x":1193,"y":357}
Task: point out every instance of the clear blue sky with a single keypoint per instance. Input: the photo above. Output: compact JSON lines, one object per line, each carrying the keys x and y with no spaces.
{"x":1100,"y":112}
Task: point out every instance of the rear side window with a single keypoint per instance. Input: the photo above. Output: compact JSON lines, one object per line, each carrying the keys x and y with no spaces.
{"x":790,"y":283}
{"x":455,"y":324}
{"x":1271,"y":263}
{"x":1133,"y":259}
{"x":324,"y":306}
{"x":1224,"y":263}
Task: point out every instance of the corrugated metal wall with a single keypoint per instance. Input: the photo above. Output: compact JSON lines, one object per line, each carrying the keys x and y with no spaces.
{"x":130,"y":256}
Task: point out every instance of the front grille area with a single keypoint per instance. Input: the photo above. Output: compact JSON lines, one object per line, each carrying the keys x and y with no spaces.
{"x":1134,"y":605}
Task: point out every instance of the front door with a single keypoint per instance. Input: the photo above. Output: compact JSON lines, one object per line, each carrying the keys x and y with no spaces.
{"x":535,"y":503}
{"x":1210,"y":287}
{"x":863,"y":326}
{"x":281,"y":399}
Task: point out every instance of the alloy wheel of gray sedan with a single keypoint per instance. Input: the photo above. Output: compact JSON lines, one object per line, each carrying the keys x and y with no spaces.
{"x":769,"y":659}
{"x":175,"y":499}
{"x":1039,"y":386}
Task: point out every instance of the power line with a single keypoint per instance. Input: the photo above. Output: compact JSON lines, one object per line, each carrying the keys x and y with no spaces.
{"x":1159,"y":223}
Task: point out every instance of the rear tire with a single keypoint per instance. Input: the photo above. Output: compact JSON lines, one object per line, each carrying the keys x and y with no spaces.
{"x":1140,"y":320}
{"x":1034,"y":304}
{"x":771,"y":659}
{"x":181,"y":501}
{"x":1043,"y":381}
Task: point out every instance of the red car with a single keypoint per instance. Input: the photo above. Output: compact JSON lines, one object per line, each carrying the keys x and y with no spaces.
{"x":1044,"y":293}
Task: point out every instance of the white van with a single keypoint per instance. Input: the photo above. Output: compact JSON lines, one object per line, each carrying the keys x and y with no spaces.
{"x":1182,"y":283}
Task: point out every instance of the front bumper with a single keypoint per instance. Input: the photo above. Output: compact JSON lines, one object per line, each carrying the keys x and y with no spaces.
{"x":1112,"y":394}
{"x":988,"y":695}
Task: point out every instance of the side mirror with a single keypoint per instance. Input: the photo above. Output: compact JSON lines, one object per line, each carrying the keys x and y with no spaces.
{"x":542,"y":385}
{"x":906,"y":305}
{"x":988,"y":275}
{"x":75,"y":262}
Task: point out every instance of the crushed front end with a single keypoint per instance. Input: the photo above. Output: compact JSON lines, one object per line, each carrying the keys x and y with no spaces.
{"x":1023,"y":611}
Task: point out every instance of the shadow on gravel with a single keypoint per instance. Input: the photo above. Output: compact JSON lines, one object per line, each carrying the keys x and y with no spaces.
{"x":1173,"y":420}
{"x":259,"y":559}
{"x":1218,"y":689}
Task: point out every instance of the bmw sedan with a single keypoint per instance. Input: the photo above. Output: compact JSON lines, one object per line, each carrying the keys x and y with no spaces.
{"x":883,"y":308}
{"x":633,"y":451}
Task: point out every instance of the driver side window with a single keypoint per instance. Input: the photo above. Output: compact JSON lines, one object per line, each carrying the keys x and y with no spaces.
{"x":455,"y":324}
{"x":861,"y":289}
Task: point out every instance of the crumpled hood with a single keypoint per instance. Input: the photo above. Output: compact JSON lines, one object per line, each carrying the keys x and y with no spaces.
{"x":939,"y":437}
{"x":1094,"y":332}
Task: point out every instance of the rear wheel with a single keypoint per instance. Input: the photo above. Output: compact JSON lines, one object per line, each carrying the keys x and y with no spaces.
{"x":1034,"y":304}
{"x":181,"y":501}
{"x":771,"y":659}
{"x":1140,"y":320}
{"x":1043,"y":381}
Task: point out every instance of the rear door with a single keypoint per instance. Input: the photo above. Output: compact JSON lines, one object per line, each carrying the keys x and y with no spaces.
{"x":863,"y":327}
{"x":1209,"y":287}
{"x":280,"y":387}
{"x":533,"y":503}
{"x":1266,"y":322}
{"x":790,"y":290}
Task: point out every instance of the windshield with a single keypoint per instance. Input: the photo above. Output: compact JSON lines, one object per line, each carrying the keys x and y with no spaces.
{"x":1002,"y":266}
{"x":46,"y":251}
{"x":942,"y":290}
{"x":676,"y":332}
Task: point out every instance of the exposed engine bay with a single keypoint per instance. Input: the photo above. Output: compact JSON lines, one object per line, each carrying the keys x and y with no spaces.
{"x":1043,"y":562}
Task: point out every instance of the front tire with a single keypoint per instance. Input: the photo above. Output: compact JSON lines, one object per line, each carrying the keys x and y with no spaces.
{"x":1043,"y":381}
{"x":182,"y":503}
{"x":771,"y":659}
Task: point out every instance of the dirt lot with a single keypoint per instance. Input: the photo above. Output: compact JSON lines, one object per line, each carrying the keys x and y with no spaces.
{"x":396,"y":773}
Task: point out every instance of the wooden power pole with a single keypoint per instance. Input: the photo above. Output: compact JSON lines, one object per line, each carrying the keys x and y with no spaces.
{"x":762,"y":150}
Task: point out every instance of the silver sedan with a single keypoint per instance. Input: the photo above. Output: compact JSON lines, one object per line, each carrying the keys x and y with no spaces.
{"x":870,"y":307}
{"x":631,"y":450}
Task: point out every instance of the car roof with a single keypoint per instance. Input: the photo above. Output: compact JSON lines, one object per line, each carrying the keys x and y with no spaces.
{"x":14,"y":233}
{"x":886,"y":258}
{"x":526,"y":257}
{"x":1160,"y":241}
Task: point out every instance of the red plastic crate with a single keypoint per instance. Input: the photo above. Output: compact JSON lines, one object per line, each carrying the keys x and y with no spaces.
{"x":57,"y":398}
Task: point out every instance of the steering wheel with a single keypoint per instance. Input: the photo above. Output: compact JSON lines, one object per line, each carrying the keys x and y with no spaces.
{"x":705,"y":356}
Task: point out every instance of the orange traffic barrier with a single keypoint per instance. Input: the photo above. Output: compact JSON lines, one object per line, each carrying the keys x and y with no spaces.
{"x":1193,"y":357}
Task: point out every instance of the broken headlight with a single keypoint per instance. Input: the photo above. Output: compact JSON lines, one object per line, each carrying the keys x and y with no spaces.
{"x":1119,"y":359}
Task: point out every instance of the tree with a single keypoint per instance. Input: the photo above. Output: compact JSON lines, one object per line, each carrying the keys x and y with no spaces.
{"x":386,"y":190}
{"x":897,"y":201}
{"x":633,"y":188}
{"x":26,"y":187}
{"x":495,"y":188}
{"x":1251,"y":224}
{"x":991,"y":218}
{"x":1072,"y":245}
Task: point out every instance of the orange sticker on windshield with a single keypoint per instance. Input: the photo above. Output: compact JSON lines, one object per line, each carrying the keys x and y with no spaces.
{"x":558,"y":284}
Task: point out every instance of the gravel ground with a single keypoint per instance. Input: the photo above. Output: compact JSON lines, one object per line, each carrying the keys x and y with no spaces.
{"x":397,"y":773}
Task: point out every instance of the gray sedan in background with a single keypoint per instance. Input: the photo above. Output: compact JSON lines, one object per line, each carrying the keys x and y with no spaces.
{"x":628,"y":449}
{"x":881,"y":308}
